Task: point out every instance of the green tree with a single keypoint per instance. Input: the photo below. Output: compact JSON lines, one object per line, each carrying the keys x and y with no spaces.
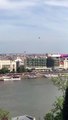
{"x":4,"y":115}
{"x":4,"y":70}
{"x":49,"y":116}
{"x":56,"y":111}
{"x":61,"y":83}
{"x":21,"y":69}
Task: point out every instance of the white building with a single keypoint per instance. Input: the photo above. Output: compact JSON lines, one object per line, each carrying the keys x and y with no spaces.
{"x":66,"y":63}
{"x":8,"y":64}
{"x":11,"y":64}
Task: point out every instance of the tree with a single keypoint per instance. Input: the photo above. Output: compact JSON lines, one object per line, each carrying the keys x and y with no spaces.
{"x":57,"y":109}
{"x":65,"y":106}
{"x":49,"y":116}
{"x":61,"y":83}
{"x":4,"y":115}
{"x":4,"y":70}
{"x":21,"y":69}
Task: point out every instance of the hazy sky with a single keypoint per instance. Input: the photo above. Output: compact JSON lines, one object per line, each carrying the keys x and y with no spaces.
{"x":34,"y":26}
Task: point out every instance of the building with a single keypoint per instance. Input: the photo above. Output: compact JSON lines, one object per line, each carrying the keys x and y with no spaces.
{"x":36,"y":62}
{"x":11,"y":65}
{"x":66,"y":63}
{"x":61,"y":60}
{"x":19,"y":62}
{"x":56,"y":58}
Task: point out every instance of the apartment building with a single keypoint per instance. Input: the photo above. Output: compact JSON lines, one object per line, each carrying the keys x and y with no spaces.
{"x":11,"y":65}
{"x":36,"y":62}
{"x":66,"y":63}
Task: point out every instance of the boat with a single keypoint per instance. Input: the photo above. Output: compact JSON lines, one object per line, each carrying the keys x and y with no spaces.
{"x":31,"y":76}
{"x":50,"y":75}
{"x":24,"y":117}
{"x":12,"y":78}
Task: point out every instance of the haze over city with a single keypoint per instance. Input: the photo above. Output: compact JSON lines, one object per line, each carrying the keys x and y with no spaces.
{"x":34,"y":26}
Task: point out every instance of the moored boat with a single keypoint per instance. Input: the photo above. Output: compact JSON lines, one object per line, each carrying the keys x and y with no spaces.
{"x":12,"y":78}
{"x":50,"y":75}
{"x":31,"y":76}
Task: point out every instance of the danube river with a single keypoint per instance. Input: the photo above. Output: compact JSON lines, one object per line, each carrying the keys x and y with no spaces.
{"x":29,"y":96}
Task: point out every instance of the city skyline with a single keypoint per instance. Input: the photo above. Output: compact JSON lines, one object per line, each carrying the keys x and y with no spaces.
{"x":34,"y":26}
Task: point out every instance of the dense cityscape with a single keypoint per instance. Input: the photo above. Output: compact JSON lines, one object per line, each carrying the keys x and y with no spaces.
{"x":34,"y":65}
{"x":36,"y":61}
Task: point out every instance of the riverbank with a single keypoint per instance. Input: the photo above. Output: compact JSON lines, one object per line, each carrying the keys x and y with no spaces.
{"x":43,"y":74}
{"x":33,"y":75}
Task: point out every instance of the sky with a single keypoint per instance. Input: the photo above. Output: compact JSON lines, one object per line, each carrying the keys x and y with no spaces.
{"x":34,"y":26}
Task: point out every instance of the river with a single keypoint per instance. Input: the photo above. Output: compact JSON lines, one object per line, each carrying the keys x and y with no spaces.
{"x":30,"y":96}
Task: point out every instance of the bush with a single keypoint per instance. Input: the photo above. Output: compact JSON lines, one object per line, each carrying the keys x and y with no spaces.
{"x":56,"y":112}
{"x":4,"y":70}
{"x":4,"y":115}
{"x":49,"y":116}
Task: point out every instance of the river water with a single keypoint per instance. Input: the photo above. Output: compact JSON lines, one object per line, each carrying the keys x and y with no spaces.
{"x":30,"y":96}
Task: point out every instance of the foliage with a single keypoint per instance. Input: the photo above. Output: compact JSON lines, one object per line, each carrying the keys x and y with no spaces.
{"x":56,"y":111}
{"x":58,"y":116}
{"x":4,"y":70}
{"x":13,"y":71}
{"x":52,"y":116}
{"x":49,"y":116}
{"x":28,"y":70}
{"x":58,"y":105}
{"x":21,"y":69}
{"x":61,"y":83}
{"x":4,"y":115}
